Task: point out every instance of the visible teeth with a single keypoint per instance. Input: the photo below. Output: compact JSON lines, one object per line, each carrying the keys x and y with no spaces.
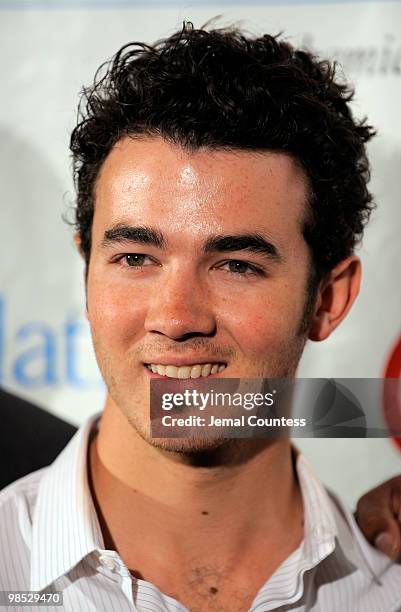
{"x":196,"y":371}
{"x":206,"y":369}
{"x":171,"y":371}
{"x":184,"y":372}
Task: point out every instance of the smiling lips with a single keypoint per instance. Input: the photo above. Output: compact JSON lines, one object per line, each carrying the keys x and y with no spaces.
{"x":187,"y":371}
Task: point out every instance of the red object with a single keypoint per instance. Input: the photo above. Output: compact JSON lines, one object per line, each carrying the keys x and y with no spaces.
{"x":391,"y":396}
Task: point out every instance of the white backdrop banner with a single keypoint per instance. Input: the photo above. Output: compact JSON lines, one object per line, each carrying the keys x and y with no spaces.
{"x":49,"y":50}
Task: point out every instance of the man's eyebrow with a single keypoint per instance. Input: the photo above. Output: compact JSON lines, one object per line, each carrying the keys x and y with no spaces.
{"x":252,"y":242}
{"x":128,"y":233}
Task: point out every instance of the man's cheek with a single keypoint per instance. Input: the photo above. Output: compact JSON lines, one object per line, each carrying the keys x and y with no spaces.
{"x":114,"y":309}
{"x":264,"y":326}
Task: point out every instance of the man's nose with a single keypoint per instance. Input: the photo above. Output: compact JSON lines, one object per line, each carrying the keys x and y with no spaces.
{"x":181,"y":307}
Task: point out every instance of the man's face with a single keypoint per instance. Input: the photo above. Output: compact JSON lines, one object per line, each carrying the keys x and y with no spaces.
{"x":215,"y":272}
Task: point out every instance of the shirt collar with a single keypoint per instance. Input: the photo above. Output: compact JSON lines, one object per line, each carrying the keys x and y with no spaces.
{"x":329,"y":521}
{"x":329,"y":529}
{"x":320,"y":532}
{"x":65,"y":526}
{"x":320,"y":529}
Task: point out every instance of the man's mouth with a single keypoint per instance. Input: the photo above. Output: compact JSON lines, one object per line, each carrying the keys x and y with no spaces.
{"x":196,"y":370}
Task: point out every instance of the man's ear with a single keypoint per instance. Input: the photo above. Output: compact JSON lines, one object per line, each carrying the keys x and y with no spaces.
{"x":335,"y":296}
{"x":77,"y":240}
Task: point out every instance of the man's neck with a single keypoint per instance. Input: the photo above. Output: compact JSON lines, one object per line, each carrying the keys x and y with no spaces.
{"x":160,"y":511}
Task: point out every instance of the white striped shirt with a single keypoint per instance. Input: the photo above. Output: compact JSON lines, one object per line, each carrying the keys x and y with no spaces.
{"x":50,"y":540}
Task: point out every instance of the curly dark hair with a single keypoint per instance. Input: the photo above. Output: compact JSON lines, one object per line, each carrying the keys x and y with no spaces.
{"x":224,"y":90}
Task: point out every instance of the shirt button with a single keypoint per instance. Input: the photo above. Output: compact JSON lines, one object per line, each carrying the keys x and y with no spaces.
{"x":108,"y":562}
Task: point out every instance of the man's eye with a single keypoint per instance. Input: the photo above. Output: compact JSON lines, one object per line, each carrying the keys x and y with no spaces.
{"x":236,"y":266}
{"x":135,"y":260}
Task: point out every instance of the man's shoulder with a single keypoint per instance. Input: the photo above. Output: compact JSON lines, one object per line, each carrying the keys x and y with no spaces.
{"x":17,"y":508}
{"x":364,"y":571}
{"x":22,"y":492}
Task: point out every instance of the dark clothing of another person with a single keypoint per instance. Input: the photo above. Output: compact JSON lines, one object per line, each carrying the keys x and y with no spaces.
{"x":30,"y":437}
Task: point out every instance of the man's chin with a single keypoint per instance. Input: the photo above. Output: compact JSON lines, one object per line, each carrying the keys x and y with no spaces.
{"x":189,"y":446}
{"x":193,"y":441}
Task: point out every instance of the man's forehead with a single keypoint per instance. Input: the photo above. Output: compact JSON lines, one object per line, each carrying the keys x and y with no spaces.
{"x":150,"y":176}
{"x":143,"y":159}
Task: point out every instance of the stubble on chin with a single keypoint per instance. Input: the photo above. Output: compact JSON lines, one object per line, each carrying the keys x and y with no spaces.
{"x":134,"y":402}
